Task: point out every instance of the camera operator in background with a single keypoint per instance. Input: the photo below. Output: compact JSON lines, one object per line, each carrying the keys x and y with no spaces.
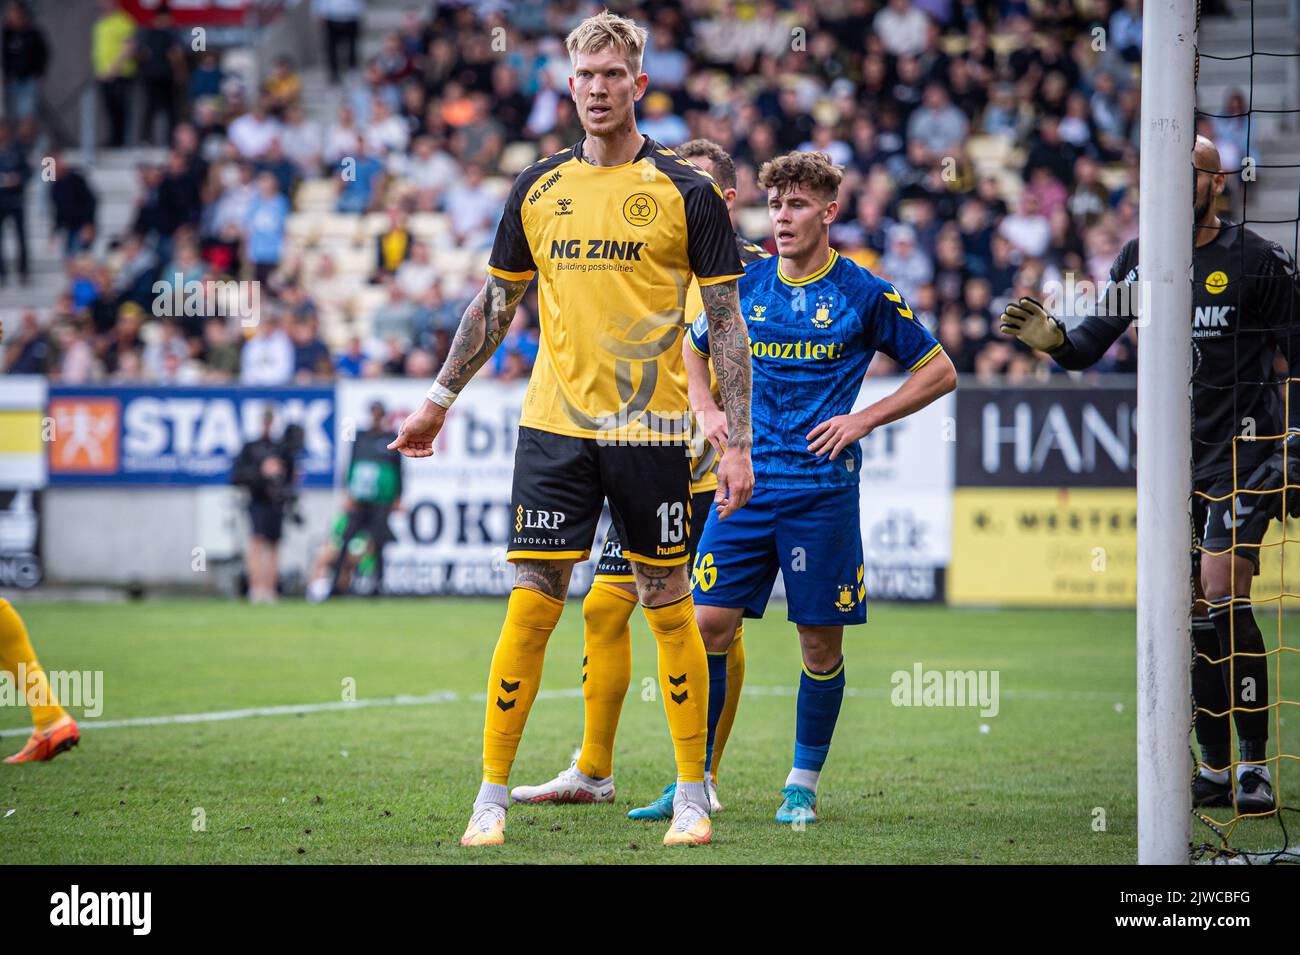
{"x":374,"y":490}
{"x":267,"y":468}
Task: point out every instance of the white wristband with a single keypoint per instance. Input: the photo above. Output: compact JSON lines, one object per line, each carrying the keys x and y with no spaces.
{"x":444,"y":397}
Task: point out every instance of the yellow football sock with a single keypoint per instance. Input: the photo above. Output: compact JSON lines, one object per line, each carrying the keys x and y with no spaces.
{"x":606,"y":673}
{"x":735,"y":680}
{"x":515,"y":675}
{"x":16,"y":649}
{"x":684,"y":682}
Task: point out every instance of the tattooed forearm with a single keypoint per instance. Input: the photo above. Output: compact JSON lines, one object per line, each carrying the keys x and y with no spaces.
{"x":729,"y":346}
{"x":551,"y":577}
{"x":482,"y":328}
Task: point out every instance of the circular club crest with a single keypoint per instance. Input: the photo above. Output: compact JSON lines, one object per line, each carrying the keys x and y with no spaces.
{"x":1216,"y":282}
{"x":640,"y":209}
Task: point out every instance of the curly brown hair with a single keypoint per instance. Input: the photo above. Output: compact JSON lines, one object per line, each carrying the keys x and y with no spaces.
{"x":814,"y":171}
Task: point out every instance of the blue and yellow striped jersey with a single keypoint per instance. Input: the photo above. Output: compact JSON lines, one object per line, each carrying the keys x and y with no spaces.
{"x":811,"y":341}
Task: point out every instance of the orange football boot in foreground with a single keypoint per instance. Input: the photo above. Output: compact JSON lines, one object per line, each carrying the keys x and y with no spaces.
{"x":44,"y":746}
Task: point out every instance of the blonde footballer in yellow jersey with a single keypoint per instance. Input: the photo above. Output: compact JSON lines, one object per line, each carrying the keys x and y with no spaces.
{"x":614,"y":228}
{"x":608,"y":607}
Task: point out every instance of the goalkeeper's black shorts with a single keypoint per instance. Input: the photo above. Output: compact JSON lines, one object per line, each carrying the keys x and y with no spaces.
{"x":1224,"y":519}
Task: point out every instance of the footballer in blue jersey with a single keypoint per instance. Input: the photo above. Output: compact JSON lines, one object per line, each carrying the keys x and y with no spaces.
{"x":815,"y":322}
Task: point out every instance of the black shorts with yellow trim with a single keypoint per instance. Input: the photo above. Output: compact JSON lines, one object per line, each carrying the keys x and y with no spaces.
{"x":561,"y":483}
{"x":613,"y":567}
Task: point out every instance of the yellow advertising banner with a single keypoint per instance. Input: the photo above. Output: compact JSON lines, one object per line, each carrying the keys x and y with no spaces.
{"x":1063,"y":547}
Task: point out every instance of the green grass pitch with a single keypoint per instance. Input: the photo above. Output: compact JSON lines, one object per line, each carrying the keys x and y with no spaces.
{"x":394,"y":783}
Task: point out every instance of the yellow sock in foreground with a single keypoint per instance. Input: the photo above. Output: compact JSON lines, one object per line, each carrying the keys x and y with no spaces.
{"x":514,"y":677}
{"x":15,"y":650}
{"x":606,"y":673}
{"x":735,"y":680}
{"x":684,"y":682}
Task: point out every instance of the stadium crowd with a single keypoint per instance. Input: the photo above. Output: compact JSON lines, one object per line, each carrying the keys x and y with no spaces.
{"x":985,"y":153}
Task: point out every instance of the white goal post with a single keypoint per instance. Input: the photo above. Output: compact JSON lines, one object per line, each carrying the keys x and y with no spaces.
{"x":1164,"y":592}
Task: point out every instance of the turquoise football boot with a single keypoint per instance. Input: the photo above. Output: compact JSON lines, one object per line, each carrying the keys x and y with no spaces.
{"x":800,"y":805}
{"x":661,"y":808}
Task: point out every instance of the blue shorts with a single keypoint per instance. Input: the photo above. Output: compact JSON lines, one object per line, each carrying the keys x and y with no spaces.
{"x":813,"y":536}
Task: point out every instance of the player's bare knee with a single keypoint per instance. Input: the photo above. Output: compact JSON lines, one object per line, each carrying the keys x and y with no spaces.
{"x":656,"y":586}
{"x":717,"y":626}
{"x":1224,"y":576}
{"x":822,"y":647}
{"x":550,"y":577}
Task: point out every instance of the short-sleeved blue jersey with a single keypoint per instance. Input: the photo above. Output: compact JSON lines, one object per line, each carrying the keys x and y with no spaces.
{"x":811,"y":341}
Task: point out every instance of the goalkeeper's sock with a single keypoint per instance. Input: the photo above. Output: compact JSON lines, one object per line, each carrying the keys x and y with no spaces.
{"x":514,"y":677}
{"x":1246,"y":677}
{"x":735,"y":680}
{"x":18,"y":657}
{"x":494,"y":793}
{"x":606,"y":673}
{"x":684,"y":682}
{"x":1209,"y":695}
{"x":818,"y":708}
{"x":717,"y":697}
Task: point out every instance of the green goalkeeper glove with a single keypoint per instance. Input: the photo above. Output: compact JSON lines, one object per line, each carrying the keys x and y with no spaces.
{"x":1029,"y":321}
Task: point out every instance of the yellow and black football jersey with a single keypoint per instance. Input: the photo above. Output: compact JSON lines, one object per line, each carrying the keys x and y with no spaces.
{"x":617,"y":248}
{"x":704,"y":466}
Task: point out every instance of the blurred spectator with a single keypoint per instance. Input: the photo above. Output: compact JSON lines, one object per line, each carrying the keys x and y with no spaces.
{"x":311,"y":357}
{"x":161,"y":65}
{"x":74,"y":204}
{"x":205,"y":78}
{"x":361,"y":182}
{"x":904,"y":263}
{"x":351,"y":361}
{"x":14,"y":173}
{"x":902,"y":28}
{"x":474,"y":209}
{"x":253,"y":133}
{"x":300,"y":141}
{"x":220,"y":354}
{"x":660,"y":123}
{"x":283,"y":87}
{"x":264,"y":226}
{"x":341,"y":21}
{"x":267,"y":357}
{"x":417,"y":273}
{"x":393,"y":245}
{"x":28,"y":352}
{"x":26,"y":55}
{"x":113,"y":55}
{"x":514,"y":357}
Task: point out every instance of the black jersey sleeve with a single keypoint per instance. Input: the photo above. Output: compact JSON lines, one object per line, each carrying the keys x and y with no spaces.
{"x":1115,"y":310}
{"x":511,"y":257}
{"x":710,"y":240}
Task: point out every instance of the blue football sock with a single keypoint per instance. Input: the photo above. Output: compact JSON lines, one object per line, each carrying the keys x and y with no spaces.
{"x":717,"y":699}
{"x":820,"y":695}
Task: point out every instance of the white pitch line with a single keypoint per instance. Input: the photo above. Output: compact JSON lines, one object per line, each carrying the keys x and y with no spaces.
{"x":451,"y":696}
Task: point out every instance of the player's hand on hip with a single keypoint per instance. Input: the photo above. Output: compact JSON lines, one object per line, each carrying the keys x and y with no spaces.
{"x":735,"y":482}
{"x":713,"y":422}
{"x":415,"y":439}
{"x":1029,"y":321}
{"x":835,"y":434}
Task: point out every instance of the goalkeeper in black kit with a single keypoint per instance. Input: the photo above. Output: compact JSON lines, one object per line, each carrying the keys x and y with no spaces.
{"x":1246,"y":317}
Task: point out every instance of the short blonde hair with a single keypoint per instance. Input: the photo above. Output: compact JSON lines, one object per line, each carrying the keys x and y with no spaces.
{"x":606,"y":30}
{"x":815,"y":171}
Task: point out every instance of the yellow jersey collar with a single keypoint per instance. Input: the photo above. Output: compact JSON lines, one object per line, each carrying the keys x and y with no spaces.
{"x":820,"y":273}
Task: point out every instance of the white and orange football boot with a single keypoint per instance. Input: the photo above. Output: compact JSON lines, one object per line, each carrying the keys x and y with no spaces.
{"x":487,"y":827}
{"x":691,"y":826}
